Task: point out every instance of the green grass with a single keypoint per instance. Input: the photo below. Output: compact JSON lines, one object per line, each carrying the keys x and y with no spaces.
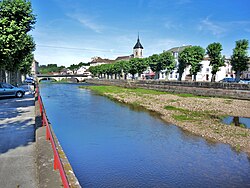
{"x":183,"y":117}
{"x":190,"y":95}
{"x":188,"y":115}
{"x":138,"y":91}
{"x":176,"y":109}
{"x":116,"y":90}
{"x":228,"y":101}
{"x":173,"y":100}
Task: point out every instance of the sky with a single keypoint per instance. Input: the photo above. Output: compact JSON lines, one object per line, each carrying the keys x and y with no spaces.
{"x":73,"y":31}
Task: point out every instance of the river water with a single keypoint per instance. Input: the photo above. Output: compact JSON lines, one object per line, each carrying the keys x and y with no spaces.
{"x":112,"y":145}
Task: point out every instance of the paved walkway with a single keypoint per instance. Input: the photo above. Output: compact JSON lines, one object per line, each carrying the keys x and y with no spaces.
{"x":17,"y":143}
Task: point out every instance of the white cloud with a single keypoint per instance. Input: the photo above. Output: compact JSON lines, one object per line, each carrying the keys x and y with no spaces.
{"x":158,"y":45}
{"x":86,"y":22}
{"x":216,"y":29}
{"x":221,"y":28}
{"x":172,"y":25}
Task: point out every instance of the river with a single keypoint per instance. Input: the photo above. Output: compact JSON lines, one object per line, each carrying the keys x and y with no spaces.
{"x":113,"y":145}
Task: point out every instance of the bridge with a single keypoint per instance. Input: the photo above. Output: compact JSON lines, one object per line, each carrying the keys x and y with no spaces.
{"x":71,"y":77}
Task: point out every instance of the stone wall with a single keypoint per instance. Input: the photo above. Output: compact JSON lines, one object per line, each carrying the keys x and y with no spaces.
{"x":234,"y":90}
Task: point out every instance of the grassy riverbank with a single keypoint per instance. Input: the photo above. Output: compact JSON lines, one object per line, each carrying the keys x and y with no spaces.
{"x":199,"y":115}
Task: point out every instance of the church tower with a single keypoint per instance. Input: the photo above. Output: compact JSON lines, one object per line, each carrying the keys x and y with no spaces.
{"x":138,"y":49}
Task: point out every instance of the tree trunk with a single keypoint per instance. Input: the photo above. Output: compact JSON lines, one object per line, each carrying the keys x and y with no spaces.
{"x":194,"y":77}
{"x":236,"y":121}
{"x":2,"y":76}
{"x":13,"y":78}
{"x":156,"y":75}
{"x":237,"y":79}
{"x":180,"y":76}
{"x":166,"y":74}
{"x":213,"y":78}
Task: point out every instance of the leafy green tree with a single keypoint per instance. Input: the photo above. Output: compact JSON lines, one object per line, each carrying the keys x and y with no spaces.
{"x":50,"y":68}
{"x":239,"y":59}
{"x":155,"y":65}
{"x":26,"y":64}
{"x":216,"y":59}
{"x":125,"y":67}
{"x":192,"y":56}
{"x":93,"y":70}
{"x":167,"y":62}
{"x":137,"y":65}
{"x":73,"y":68}
{"x":16,"y":20}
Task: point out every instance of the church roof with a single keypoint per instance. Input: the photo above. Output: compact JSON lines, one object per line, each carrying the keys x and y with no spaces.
{"x":128,"y":57}
{"x":138,"y":44}
{"x":178,"y":49}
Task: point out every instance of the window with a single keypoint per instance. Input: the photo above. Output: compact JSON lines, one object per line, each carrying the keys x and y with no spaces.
{"x":207,"y":69}
{"x":207,"y":77}
{"x":8,"y":86}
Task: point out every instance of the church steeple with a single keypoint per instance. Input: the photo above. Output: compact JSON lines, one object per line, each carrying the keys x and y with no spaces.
{"x":138,"y":48}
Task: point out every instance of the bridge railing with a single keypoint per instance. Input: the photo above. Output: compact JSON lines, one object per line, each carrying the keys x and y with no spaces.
{"x":58,"y":165}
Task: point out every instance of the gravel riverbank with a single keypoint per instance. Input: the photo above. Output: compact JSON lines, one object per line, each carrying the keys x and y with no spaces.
{"x":198,"y":115}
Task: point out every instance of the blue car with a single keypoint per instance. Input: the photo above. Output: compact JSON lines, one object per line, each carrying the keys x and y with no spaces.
{"x":8,"y":90}
{"x":29,"y":80}
{"x":228,"y":80}
{"x":245,"y":81}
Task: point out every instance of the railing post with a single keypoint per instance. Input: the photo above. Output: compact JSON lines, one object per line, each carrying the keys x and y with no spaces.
{"x":55,"y":162}
{"x":47,"y":133}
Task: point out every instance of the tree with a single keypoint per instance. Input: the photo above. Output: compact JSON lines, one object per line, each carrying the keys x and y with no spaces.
{"x":167,"y":62}
{"x":125,"y":67}
{"x":26,"y":64}
{"x":132,"y":67}
{"x":73,"y":68}
{"x":137,"y":65}
{"x":182,"y":63}
{"x":216,"y":59}
{"x":154,"y":63}
{"x":93,"y":70}
{"x":192,"y":56}
{"x":239,"y":59}
{"x":16,"y":20}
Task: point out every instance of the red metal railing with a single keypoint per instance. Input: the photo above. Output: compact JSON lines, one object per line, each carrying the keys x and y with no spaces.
{"x":49,"y":136}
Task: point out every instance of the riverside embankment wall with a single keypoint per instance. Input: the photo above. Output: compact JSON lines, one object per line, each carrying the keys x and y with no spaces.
{"x":229,"y":90}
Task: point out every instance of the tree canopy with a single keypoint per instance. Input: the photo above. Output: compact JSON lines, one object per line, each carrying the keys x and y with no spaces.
{"x":239,"y":59}
{"x":192,"y":56}
{"x":216,"y":59}
{"x":16,"y":20}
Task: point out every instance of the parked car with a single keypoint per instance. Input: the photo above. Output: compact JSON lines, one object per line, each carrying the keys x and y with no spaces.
{"x":245,"y":81}
{"x":228,"y":80}
{"x":29,"y":80}
{"x":8,"y":90}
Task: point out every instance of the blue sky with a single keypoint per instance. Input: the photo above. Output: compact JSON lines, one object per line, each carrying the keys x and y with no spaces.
{"x":73,"y":31}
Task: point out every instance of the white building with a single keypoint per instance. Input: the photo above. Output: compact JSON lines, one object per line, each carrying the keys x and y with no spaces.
{"x":82,"y":70}
{"x":204,"y":74}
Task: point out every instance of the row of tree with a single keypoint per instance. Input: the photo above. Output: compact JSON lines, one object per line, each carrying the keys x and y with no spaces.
{"x":190,"y":56}
{"x":52,"y":68}
{"x":16,"y":45}
{"x":157,"y":62}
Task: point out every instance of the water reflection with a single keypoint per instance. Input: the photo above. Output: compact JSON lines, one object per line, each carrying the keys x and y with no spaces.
{"x":111,"y":145}
{"x":237,"y":121}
